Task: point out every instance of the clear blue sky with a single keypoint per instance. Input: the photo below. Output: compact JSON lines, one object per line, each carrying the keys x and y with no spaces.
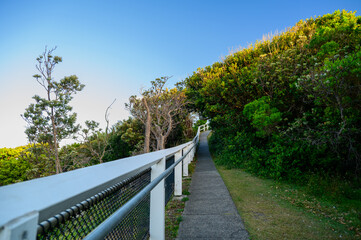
{"x":118,"y":47}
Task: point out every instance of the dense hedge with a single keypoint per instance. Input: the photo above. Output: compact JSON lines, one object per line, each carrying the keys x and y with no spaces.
{"x":24,"y":163}
{"x":13,"y":167}
{"x":124,"y":139}
{"x":288,"y":105}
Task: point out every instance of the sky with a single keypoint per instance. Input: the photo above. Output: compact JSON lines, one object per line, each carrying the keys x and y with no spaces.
{"x":117,"y":47}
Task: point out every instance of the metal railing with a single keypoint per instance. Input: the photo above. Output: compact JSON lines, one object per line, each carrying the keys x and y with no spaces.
{"x":122,"y":199}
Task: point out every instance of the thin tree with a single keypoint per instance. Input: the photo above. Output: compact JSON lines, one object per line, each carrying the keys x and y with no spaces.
{"x":50,"y":119}
{"x":157,"y":109}
{"x":139,"y":108}
{"x":167,"y":104}
{"x":94,"y":140}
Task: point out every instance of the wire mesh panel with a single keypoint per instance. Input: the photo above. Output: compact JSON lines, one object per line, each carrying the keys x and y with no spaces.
{"x":135,"y":225}
{"x":79,"y":220}
{"x":169,"y":181}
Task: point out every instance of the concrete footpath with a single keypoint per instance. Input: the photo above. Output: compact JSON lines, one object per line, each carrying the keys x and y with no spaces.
{"x":210,"y":212}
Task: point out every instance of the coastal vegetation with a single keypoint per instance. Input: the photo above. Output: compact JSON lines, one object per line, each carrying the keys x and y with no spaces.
{"x":50,"y":120}
{"x":288,"y":108}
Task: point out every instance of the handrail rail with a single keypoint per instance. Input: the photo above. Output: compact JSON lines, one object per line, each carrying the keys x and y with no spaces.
{"x":23,"y":205}
{"x":50,"y":195}
{"x":104,"y":228}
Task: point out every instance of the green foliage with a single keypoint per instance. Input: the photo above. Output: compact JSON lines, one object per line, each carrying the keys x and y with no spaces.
{"x":288,"y":107}
{"x":262,"y":116}
{"x":32,"y":161}
{"x":38,"y":156}
{"x":328,"y":49}
{"x":13,"y":166}
{"x":126,"y":138}
{"x":39,"y":115}
{"x":50,"y":119}
{"x":160,"y":110}
{"x":75,"y":156}
{"x":199,"y":123}
{"x":24,"y":163}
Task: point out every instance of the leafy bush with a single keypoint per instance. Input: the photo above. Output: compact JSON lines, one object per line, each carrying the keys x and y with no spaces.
{"x":288,"y":107}
{"x":200,"y":122}
{"x":262,"y":116}
{"x":13,"y":166}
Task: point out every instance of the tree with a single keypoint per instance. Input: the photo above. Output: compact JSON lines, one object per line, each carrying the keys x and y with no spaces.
{"x":126,"y":138}
{"x":288,"y":105}
{"x":50,"y":119}
{"x":166,"y":105}
{"x":94,"y":140}
{"x":139,"y":108}
{"x":157,"y":110}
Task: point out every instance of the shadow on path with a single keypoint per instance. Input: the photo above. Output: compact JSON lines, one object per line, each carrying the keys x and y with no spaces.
{"x":210,"y":212}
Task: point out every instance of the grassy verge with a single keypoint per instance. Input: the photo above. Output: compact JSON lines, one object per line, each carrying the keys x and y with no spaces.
{"x":175,"y":208}
{"x":273,"y":210}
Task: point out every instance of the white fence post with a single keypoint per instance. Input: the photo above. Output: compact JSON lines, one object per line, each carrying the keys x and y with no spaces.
{"x":23,"y":224}
{"x":23,"y":228}
{"x":193,"y":151}
{"x":157,"y":204}
{"x":190,"y":159}
{"x":178,"y":175}
{"x":185,"y":162}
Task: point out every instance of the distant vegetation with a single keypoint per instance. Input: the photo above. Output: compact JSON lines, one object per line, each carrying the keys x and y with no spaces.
{"x":289,"y":106}
{"x":163,"y":122}
{"x":50,"y":119}
{"x":160,"y":110}
{"x":125,"y":138}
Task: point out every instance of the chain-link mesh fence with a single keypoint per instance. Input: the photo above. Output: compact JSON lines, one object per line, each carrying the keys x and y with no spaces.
{"x":169,"y":181}
{"x":79,"y":220}
{"x":135,"y":225}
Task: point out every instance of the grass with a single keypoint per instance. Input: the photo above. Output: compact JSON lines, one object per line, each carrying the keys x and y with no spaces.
{"x":175,"y":208}
{"x":173,"y":217}
{"x":273,"y":210}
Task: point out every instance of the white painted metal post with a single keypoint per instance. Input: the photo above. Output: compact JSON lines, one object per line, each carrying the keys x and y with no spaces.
{"x":23,"y":228}
{"x":193,"y":151}
{"x":185,"y":163}
{"x":178,"y":175}
{"x":191,"y":154}
{"x":157,"y":204}
{"x":189,"y":157}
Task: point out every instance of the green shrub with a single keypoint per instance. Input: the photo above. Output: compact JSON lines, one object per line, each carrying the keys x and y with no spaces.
{"x":13,"y":166}
{"x":262,"y":116}
{"x":289,"y":106}
{"x":199,"y":123}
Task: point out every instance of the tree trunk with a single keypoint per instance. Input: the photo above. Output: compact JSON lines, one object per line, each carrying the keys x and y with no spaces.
{"x":162,"y":142}
{"x":55,"y":146}
{"x":148,"y":122}
{"x":58,"y":168}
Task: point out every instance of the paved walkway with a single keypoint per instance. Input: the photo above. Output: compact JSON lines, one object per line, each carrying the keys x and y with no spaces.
{"x":210,"y":212}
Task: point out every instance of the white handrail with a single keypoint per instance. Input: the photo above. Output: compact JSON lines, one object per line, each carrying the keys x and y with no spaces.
{"x":102,"y":230}
{"x":23,"y":205}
